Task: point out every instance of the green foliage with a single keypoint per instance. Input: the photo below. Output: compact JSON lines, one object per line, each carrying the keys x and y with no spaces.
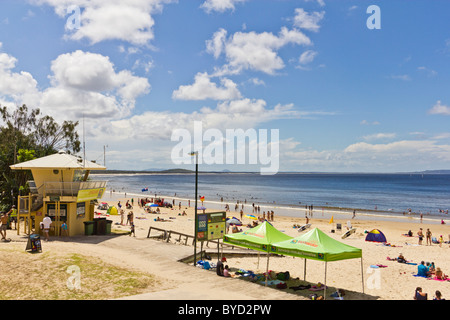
{"x":26,"y":135}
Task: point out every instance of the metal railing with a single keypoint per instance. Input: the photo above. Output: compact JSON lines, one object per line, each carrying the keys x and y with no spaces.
{"x":66,"y":188}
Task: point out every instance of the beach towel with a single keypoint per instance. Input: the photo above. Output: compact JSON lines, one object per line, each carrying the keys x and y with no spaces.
{"x":436,"y":279}
{"x":271,"y":282}
{"x":300,"y":287}
{"x":281,"y":285}
{"x":319,"y":287}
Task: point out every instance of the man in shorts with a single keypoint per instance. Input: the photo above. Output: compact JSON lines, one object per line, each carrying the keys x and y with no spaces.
{"x":4,"y":224}
{"x":47,"y":222}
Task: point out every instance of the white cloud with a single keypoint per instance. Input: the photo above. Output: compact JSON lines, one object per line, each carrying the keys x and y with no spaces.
{"x":403,"y":77}
{"x":158,"y":126}
{"x":430,"y":72}
{"x":16,"y":87}
{"x":130,"y":21}
{"x":216,"y":45}
{"x":378,"y":136}
{"x":220,"y":5}
{"x":94,"y":72}
{"x":319,"y":2}
{"x":306,"y":58}
{"x":253,"y":51}
{"x":439,"y":108}
{"x":308,"y":21}
{"x":365,"y":157}
{"x":82,"y":83}
{"x":366,"y":123}
{"x":203,"y":89}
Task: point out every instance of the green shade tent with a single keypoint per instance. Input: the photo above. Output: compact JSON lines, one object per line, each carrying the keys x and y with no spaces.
{"x":316,"y":245}
{"x":259,"y":238}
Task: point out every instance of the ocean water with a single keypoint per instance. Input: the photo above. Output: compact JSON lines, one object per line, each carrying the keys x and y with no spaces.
{"x":371,"y":194}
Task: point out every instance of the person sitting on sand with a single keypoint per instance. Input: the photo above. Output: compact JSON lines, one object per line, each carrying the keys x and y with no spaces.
{"x":235,"y":229}
{"x":226,"y":271}
{"x":440,"y":275}
{"x":431,"y":269}
{"x":438,"y":295}
{"x":422,"y":270}
{"x":219,"y":266}
{"x":401,"y":258}
{"x":419,"y":295}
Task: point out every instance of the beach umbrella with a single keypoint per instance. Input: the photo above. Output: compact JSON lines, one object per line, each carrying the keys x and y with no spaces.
{"x":250,"y":216}
{"x":234,"y":221}
{"x":151,"y":205}
{"x":201,"y":208}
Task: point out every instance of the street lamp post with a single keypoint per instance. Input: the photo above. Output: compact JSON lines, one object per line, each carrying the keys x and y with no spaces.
{"x":196,"y":197}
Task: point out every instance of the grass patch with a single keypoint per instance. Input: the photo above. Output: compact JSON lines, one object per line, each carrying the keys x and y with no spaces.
{"x":45,"y":276}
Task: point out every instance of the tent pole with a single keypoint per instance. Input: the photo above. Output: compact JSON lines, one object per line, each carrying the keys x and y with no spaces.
{"x":325,"y":284}
{"x":267,"y":267}
{"x":258,"y":259}
{"x":362,"y":274}
{"x":304,"y":272}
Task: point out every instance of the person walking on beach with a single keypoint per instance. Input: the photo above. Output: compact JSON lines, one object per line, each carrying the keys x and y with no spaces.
{"x":429,"y":236}
{"x":47,"y":222}
{"x":122,"y":214}
{"x":4,"y":225}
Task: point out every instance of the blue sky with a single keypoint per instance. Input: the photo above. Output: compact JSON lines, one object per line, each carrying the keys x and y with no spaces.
{"x":344,"y":97}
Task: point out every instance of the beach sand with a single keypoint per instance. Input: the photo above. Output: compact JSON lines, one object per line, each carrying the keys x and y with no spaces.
{"x":182,"y":281}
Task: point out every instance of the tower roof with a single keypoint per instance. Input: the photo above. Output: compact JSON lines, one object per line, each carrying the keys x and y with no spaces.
{"x":60,"y":160}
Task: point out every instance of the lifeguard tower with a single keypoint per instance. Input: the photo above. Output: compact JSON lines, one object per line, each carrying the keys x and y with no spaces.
{"x":60,"y":189}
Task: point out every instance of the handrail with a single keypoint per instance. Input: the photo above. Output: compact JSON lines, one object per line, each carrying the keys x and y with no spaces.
{"x":67,"y":188}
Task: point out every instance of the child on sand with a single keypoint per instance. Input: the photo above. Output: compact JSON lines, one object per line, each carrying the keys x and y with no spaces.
{"x":132,"y":230}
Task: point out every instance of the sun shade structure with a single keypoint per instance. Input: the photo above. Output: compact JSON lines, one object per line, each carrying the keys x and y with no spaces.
{"x":260,"y":238}
{"x":317,"y":245}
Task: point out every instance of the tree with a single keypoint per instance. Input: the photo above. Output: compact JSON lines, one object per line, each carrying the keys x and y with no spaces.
{"x":26,"y":134}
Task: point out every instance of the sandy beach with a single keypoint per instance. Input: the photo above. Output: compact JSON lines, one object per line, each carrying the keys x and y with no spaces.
{"x":181,"y":281}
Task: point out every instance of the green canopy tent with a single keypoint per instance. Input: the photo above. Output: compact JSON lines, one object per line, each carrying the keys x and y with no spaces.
{"x":316,"y":245}
{"x":259,"y":238}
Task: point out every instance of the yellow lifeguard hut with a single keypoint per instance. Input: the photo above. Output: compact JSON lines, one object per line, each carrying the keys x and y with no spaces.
{"x":62,"y":191}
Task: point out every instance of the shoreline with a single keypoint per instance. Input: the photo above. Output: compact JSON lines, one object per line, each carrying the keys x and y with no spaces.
{"x":291,"y":211}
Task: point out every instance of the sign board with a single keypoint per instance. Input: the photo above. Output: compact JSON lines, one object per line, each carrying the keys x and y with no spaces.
{"x":51,"y":209}
{"x":90,"y":194}
{"x":211,"y":226}
{"x":34,"y":243}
